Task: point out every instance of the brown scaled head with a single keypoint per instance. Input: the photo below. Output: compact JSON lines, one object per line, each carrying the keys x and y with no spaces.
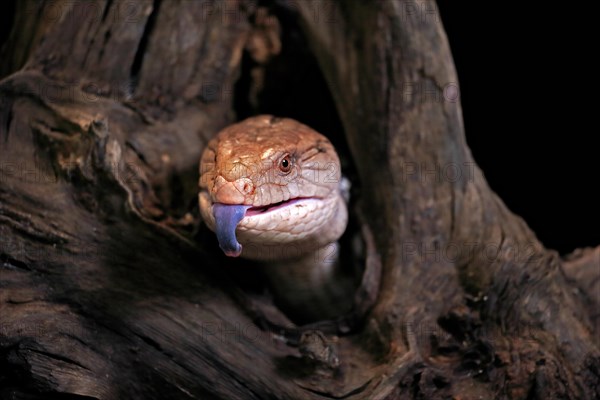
{"x":265,"y":159}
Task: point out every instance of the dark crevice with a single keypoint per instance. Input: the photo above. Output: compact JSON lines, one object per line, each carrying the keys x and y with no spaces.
{"x":532,"y":393}
{"x":143,"y":45}
{"x":137,"y":152}
{"x":151,"y":343}
{"x":106,"y":9}
{"x":11,"y":263}
{"x":6,"y":117}
{"x":7,"y":20}
{"x":416,"y":386}
{"x":106,"y":36}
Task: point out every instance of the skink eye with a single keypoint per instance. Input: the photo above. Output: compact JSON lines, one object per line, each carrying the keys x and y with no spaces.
{"x":285,"y":164}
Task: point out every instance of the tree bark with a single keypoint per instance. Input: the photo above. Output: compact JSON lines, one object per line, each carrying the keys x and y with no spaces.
{"x":112,"y":288}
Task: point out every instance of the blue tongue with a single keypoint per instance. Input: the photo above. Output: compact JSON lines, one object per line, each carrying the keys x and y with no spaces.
{"x":227,"y":216}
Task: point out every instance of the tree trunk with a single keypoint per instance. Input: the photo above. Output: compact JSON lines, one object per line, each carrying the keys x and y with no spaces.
{"x":112,"y":288}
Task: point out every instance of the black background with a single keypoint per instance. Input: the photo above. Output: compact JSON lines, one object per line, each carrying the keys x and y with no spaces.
{"x":529,"y":93}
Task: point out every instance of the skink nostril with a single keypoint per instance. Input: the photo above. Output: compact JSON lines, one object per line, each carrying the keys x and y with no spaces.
{"x":245,"y":186}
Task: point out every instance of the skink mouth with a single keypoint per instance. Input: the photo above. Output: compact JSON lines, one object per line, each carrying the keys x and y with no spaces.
{"x":228,"y":216}
{"x":259,"y":210}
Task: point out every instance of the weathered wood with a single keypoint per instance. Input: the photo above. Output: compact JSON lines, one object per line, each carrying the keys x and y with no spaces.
{"x":110,"y":287}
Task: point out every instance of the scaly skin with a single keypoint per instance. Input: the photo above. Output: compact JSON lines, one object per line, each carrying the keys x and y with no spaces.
{"x":244,"y":165}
